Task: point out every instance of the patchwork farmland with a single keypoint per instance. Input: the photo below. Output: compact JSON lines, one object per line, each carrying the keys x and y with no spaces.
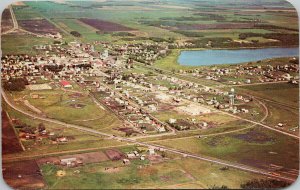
{"x":38,"y":26}
{"x":105,"y":26}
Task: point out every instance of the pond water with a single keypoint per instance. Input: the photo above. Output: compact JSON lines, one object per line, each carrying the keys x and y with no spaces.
{"x":215,"y":57}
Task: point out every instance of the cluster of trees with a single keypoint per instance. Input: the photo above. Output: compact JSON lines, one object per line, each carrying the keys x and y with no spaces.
{"x":102,"y":32}
{"x":294,"y":61}
{"x":214,"y":42}
{"x":157,"y":39}
{"x":284,"y":39}
{"x":123,"y":34}
{"x":15,"y":84}
{"x":272,"y":27}
{"x":76,"y":34}
{"x":222,"y":42}
{"x":189,"y":33}
{"x":53,"y":68}
{"x":258,"y":184}
{"x":264,"y":184}
{"x":57,"y":42}
{"x":209,"y":17}
{"x":30,"y":129}
{"x":134,"y":39}
{"x":182,"y":18}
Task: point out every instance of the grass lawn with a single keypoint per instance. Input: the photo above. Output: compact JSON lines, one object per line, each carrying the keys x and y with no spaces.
{"x":170,"y":62}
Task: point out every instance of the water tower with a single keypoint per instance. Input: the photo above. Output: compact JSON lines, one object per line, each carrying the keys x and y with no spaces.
{"x":231,"y":97}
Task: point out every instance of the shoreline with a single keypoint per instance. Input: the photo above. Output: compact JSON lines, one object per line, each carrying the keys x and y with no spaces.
{"x":177,"y":64}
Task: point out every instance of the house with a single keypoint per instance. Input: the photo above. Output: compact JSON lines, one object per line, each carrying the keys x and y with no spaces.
{"x":67,"y":161}
{"x":131,"y":155}
{"x":65,"y":84}
{"x":172,"y":121}
{"x":151,"y":151}
{"x":161,"y":129}
{"x":126,"y":161}
{"x":279,"y":125}
{"x":62,"y":139}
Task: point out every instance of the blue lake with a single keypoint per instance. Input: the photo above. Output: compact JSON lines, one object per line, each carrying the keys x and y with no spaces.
{"x":212,"y":57}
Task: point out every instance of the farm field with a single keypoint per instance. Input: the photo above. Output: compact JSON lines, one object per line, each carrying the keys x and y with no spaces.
{"x":87,"y":32}
{"x":10,"y":140}
{"x":22,"y":43}
{"x":104,"y":25}
{"x":279,"y":92}
{"x":170,"y":20}
{"x":6,"y":21}
{"x":38,"y":26}
{"x":282,"y":109}
{"x":26,"y":175}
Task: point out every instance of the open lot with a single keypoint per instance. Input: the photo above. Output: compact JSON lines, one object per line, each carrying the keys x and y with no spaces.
{"x":255,"y":147}
{"x":105,"y":26}
{"x":6,"y":21}
{"x":178,"y":173}
{"x":282,"y":109}
{"x":25,"y":174}
{"x":21,"y":43}
{"x":38,"y":26}
{"x":276,"y":92}
{"x":10,"y":141}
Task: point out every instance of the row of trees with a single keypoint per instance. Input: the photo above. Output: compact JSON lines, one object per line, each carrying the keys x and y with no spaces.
{"x":258,"y":184}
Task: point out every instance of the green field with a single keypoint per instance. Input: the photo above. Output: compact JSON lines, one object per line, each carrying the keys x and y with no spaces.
{"x":58,"y":105}
{"x":276,"y":92}
{"x":253,"y":148}
{"x":282,"y":109}
{"x":22,"y":44}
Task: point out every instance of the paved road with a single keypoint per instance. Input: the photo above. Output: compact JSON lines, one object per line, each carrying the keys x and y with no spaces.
{"x":13,"y":158}
{"x":184,"y":154}
{"x":258,"y":83}
{"x":15,"y":23}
